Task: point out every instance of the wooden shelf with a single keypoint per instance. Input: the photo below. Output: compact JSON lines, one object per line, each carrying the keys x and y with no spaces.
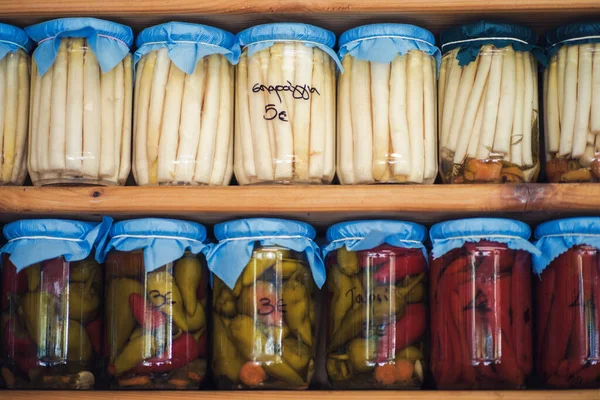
{"x":313,"y":395}
{"x":337,"y":15}
{"x":320,"y":205}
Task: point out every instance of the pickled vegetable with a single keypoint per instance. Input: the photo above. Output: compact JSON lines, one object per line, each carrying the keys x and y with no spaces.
{"x":264,"y":336}
{"x":156,"y":322}
{"x":52,"y":324}
{"x":377,"y":318}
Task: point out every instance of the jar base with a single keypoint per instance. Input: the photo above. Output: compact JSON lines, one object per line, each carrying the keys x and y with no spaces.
{"x":75,"y":182}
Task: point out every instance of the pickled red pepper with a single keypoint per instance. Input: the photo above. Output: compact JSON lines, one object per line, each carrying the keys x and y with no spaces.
{"x":481,"y":306}
{"x":568,"y":300}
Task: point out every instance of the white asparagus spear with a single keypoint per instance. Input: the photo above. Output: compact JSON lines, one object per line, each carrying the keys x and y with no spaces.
{"x":490,"y":108}
{"x":588,"y":156}
{"x":284,"y":150}
{"x":316,"y":163}
{"x":10,"y":115}
{"x":229,"y":170}
{"x":34,"y":105}
{"x":260,"y":132}
{"x":362,"y":125}
{"x":415,"y":115}
{"x":191,"y":121}
{"x":380,"y":100}
{"x":126,"y":124}
{"x":142,"y":104}
{"x":263,"y":57}
{"x":107,"y":144}
{"x":288,"y":76}
{"x":477,"y":124}
{"x":58,"y":114}
{"x":567,"y":123}
{"x":155,"y":114}
{"x":466,"y":132}
{"x":43,"y":124}
{"x":20,"y":172}
{"x":584,"y":99}
{"x":74,"y":117}
{"x":242,"y":108}
{"x":517,"y":123}
{"x":301,"y":122}
{"x":139,"y":68}
{"x":562,"y":64}
{"x":434,"y":69}
{"x":552,"y":111}
{"x":238,"y":161}
{"x":205,"y":157}
{"x":400,"y":135}
{"x":545,"y":85}
{"x":223,"y":131}
{"x":464,"y":91}
{"x":429,"y":118}
{"x":169,"y":132}
{"x":529,"y":68}
{"x":92,"y":116}
{"x":442,"y":88}
{"x":595,"y":123}
{"x":453,"y":80}
{"x":119,"y":110}
{"x":22,"y":120}
{"x":329,"y":172}
{"x":506,"y":108}
{"x":344,"y":126}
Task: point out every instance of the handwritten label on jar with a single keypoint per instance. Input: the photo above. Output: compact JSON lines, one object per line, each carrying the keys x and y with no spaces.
{"x":266,"y":307}
{"x":372,"y":298}
{"x":298,"y":92}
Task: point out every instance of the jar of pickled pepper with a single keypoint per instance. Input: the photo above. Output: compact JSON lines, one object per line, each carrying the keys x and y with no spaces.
{"x":156,"y":287}
{"x":52,"y":298}
{"x":376,"y":284}
{"x":266,"y":275}
{"x":568,"y":303}
{"x":481,"y":313}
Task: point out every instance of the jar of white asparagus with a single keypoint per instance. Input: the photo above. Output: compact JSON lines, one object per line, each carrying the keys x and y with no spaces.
{"x":14,"y":104}
{"x":183,"y":115}
{"x":81,"y":105}
{"x":572,"y":104}
{"x":387,"y":127}
{"x":488,"y":104}
{"x":285,"y":105}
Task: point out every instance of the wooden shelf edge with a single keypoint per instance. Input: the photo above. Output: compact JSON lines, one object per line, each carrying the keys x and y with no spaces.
{"x":299,"y":395}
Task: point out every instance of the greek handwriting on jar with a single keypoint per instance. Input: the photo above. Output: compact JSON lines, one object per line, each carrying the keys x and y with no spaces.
{"x":299,"y":92}
{"x":266,"y":307}
{"x":371,"y":298}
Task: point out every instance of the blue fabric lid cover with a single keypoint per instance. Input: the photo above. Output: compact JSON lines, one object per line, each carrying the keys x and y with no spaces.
{"x":187,"y":43}
{"x":228,"y":258}
{"x":262,"y":37}
{"x":447,"y":236}
{"x":34,"y":240}
{"x":556,"y":237}
{"x":368,"y":234}
{"x":471,"y":37}
{"x":163,"y":240}
{"x":109,"y":41}
{"x":383,"y":42}
{"x":13,"y":39}
{"x":570,"y":35}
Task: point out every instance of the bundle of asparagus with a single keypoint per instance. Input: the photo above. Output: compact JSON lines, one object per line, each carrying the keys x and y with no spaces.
{"x":183,"y":122}
{"x":489,"y":117}
{"x":285,"y":118}
{"x":387,"y":126}
{"x":80,"y":120}
{"x":14,"y":115}
{"x":572,"y":114}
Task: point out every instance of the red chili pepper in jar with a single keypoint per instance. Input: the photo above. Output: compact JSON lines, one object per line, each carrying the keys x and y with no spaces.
{"x":94,"y":331}
{"x":55,"y":276}
{"x":399,"y":266}
{"x":183,"y":351}
{"x":144,"y":314}
{"x":411,"y":326}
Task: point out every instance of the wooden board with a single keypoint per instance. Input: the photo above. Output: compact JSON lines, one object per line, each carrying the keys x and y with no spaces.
{"x":320,"y":205}
{"x":337,"y":15}
{"x":300,"y":395}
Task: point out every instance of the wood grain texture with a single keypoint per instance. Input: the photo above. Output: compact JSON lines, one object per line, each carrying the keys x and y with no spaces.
{"x":312,"y":395}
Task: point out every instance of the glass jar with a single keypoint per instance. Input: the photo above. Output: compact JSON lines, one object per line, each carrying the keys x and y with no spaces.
{"x":377,"y":311}
{"x":387,"y":127}
{"x":14,"y":104}
{"x":568,"y":304}
{"x":481,"y":318}
{"x":184,"y":105}
{"x":156,"y":290}
{"x":572,"y":104}
{"x":488,"y":105}
{"x":52,"y":317}
{"x":285,"y":105}
{"x":81,"y":106}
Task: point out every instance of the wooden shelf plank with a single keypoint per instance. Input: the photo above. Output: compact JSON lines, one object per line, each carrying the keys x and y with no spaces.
{"x":299,"y":395}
